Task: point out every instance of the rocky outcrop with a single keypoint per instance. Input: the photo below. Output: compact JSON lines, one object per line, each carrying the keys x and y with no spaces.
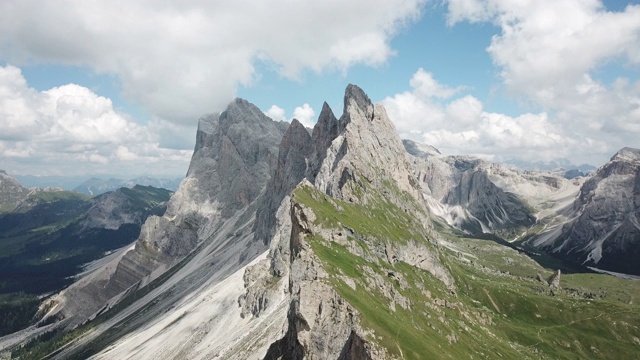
{"x":295,"y":148}
{"x":324,"y":132}
{"x":490,"y":206}
{"x":605,"y":228}
{"x":554,"y":280}
{"x":321,"y":324}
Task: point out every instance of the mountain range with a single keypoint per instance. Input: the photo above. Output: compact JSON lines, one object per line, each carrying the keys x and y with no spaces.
{"x":96,"y":186}
{"x":602,"y":227}
{"x":344,"y":242}
{"x":48,"y":237}
{"x":560,"y":164}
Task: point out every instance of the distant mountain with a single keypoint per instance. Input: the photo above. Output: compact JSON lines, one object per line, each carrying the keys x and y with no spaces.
{"x":96,"y":186}
{"x":65,"y":182}
{"x":11,"y":192}
{"x":603,"y":226}
{"x":558,"y":164}
{"x":51,"y":235}
{"x":480,"y":197}
{"x":285,"y":244}
{"x":14,"y":197}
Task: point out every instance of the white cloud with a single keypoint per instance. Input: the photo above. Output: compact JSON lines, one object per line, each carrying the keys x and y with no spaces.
{"x":465,"y":110}
{"x":276,"y":113}
{"x":305,"y":114}
{"x":549,"y":54}
{"x":181,"y":60}
{"x":549,"y":51}
{"x":69,"y":130}
{"x":461,"y":126}
{"x":424,"y":85}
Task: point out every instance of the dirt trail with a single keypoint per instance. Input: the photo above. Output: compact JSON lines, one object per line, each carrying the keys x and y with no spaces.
{"x":492,"y":302}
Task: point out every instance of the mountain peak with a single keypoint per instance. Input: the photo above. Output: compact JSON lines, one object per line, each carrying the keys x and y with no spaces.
{"x":628,"y":154}
{"x":420,"y":150}
{"x":365,"y":145}
{"x":240,"y":110}
{"x":356,"y":102}
{"x":356,"y":93}
{"x":327,"y":122}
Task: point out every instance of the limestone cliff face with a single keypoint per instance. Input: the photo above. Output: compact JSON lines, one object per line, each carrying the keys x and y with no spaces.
{"x":605,"y":231}
{"x":321,"y":324}
{"x":291,"y":167}
{"x":234,"y":157}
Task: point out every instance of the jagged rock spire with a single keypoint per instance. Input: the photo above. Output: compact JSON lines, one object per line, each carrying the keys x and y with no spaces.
{"x":324,"y":132}
{"x":366,"y":146}
{"x":356,"y":101}
{"x":295,"y":147}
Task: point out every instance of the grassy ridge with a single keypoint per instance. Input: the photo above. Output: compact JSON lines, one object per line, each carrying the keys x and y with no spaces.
{"x":380,"y":219}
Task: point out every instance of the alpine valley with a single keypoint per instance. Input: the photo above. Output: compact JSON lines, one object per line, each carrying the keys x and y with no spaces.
{"x":338,"y":242}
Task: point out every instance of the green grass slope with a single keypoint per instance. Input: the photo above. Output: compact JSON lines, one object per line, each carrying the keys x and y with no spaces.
{"x":498,"y":309}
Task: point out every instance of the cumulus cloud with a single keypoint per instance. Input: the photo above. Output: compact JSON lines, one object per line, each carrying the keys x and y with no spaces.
{"x":183,"y":59}
{"x":549,"y":54}
{"x":304,"y":114}
{"x":424,"y":85}
{"x":461,"y":125}
{"x":276,"y":113}
{"x":70,"y":130}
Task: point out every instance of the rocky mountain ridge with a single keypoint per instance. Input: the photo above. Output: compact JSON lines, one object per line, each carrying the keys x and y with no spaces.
{"x":282,"y":243}
{"x":479,"y":197}
{"x":220,"y":205}
{"x":233,"y":157}
{"x":97,"y":186}
{"x":363,"y":166}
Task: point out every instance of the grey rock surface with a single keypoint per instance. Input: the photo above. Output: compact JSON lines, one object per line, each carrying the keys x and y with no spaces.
{"x":554,"y":280}
{"x":321,"y":324}
{"x":291,"y":167}
{"x":367,"y":149}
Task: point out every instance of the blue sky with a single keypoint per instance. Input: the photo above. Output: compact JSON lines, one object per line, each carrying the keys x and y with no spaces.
{"x":99,"y":94}
{"x":455,"y":54}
